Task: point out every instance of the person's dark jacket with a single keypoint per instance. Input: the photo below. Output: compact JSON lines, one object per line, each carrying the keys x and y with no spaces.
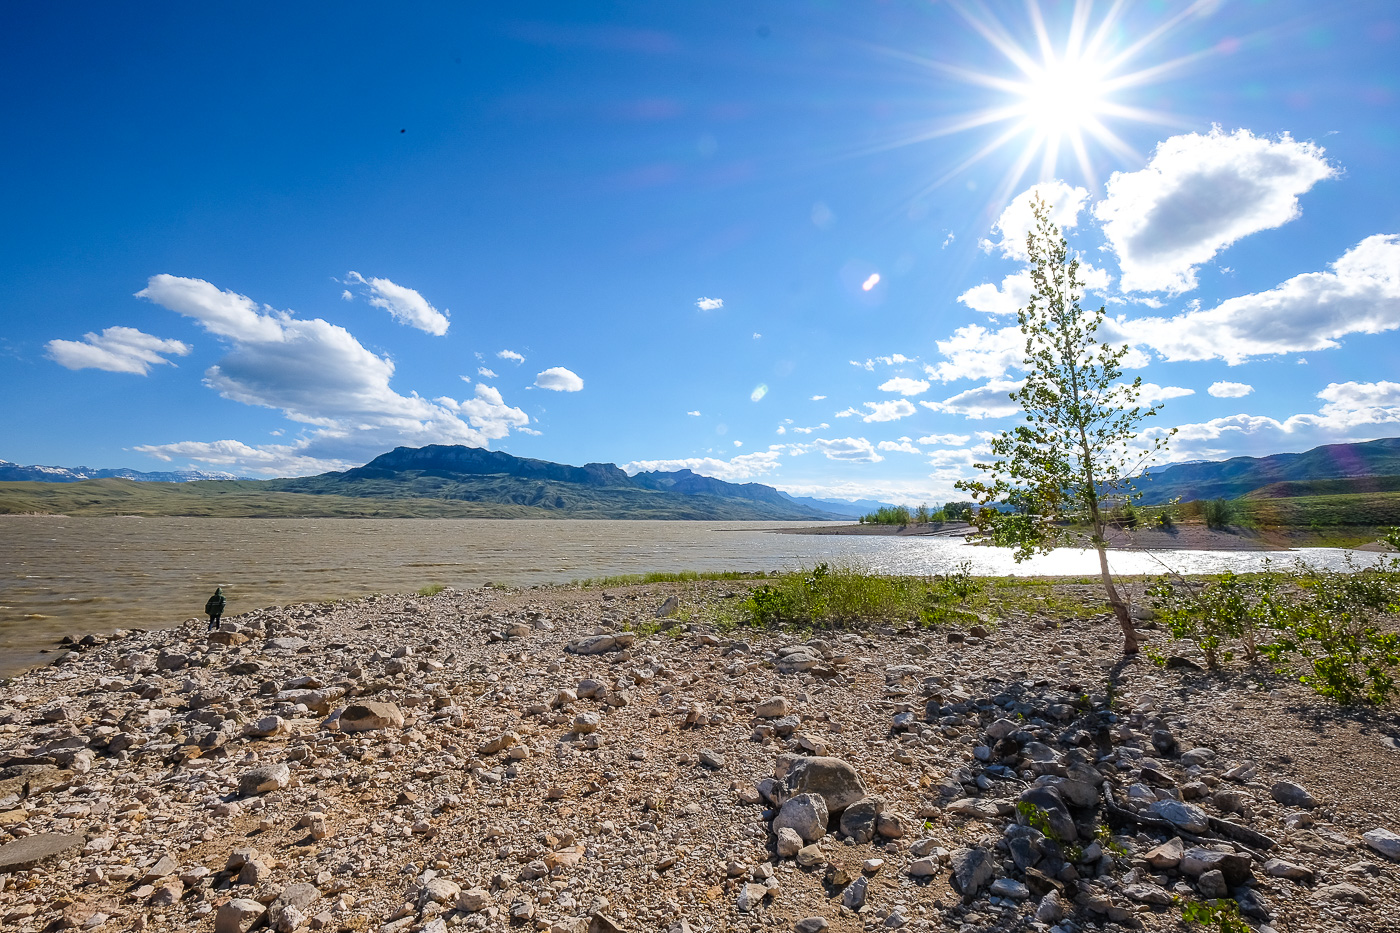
{"x":215,"y":606}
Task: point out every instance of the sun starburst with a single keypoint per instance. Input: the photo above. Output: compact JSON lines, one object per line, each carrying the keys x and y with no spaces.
{"x":1062,"y":92}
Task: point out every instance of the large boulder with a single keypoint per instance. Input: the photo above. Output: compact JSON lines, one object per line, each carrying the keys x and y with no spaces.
{"x":836,"y":781}
{"x":973,"y":869}
{"x":1047,"y":799}
{"x":264,"y":779}
{"x":31,"y":850}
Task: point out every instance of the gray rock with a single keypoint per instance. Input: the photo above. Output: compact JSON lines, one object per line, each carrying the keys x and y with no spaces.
{"x":264,"y":779}
{"x":1233,"y":865}
{"x":806,"y":815}
{"x":1048,"y":799}
{"x":751,"y":896}
{"x":1182,"y":815}
{"x":238,"y":916}
{"x":31,"y":850}
{"x":1279,"y":868}
{"x":370,"y":716}
{"x":854,"y":896}
{"x":163,"y":867}
{"x":837,"y":782}
{"x":1050,"y":909}
{"x":1010,"y":888}
{"x":973,"y":868}
{"x":810,"y":925}
{"x":860,"y":818}
{"x":789,"y":842}
{"x":592,"y":644}
{"x":1292,"y":795}
{"x":923,"y":867}
{"x":1212,"y":884}
{"x":1383,"y":841}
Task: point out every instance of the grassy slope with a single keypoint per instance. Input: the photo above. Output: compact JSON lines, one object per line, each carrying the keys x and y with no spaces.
{"x":1326,"y":487}
{"x":255,"y":499}
{"x":1360,"y":509}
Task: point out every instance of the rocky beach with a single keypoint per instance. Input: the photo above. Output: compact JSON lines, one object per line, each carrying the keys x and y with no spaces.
{"x":583,"y":759}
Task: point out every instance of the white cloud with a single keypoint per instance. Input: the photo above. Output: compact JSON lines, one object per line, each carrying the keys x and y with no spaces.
{"x":848,"y":449}
{"x":693,"y":414}
{"x":847,"y":413}
{"x":957,"y":439}
{"x":888,"y":411}
{"x":903,"y":445}
{"x":818,"y":427}
{"x":740,"y":468}
{"x":757,"y":336}
{"x":116,"y":350}
{"x":269,"y":459}
{"x":559,"y":379}
{"x":709,"y":304}
{"x":347,"y":295}
{"x":1351,"y":411}
{"x":510,"y":355}
{"x":904,"y":385}
{"x":817,"y":398}
{"x":738,"y":443}
{"x":317,"y":374}
{"x":1230,"y":389}
{"x":1196,"y":196}
{"x":1312,"y":311}
{"x":987,"y":401}
{"x":1017,"y":220}
{"x":1149,"y":393}
{"x":974,"y":352}
{"x":1015,"y":290}
{"x":405,"y":304}
{"x":485,"y":373}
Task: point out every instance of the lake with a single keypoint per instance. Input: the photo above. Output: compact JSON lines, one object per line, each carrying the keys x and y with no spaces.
{"x":62,"y":575}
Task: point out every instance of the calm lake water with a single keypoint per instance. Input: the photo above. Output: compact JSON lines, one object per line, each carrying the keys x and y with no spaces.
{"x":77,"y":575}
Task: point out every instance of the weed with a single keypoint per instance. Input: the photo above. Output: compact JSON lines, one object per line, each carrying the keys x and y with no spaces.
{"x":432,"y":589}
{"x":1037,"y":818}
{"x":1222,"y":914}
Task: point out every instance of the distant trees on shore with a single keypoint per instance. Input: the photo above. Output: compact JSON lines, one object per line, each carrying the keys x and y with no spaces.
{"x":902,"y":515}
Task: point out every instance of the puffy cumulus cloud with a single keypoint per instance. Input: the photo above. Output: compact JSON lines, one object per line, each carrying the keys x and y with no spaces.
{"x":510,"y":355}
{"x":1014,"y":293}
{"x":1017,"y":220}
{"x":709,"y":304}
{"x":269,"y":459}
{"x":887,"y":411}
{"x":738,"y":469}
{"x":1149,"y":393}
{"x":955,"y":439}
{"x":1312,"y":311}
{"x":904,"y":385}
{"x":1351,"y":411}
{"x":318,"y":374}
{"x":559,"y":379}
{"x":1197,"y":195}
{"x":405,"y":304}
{"x":116,"y":350}
{"x":986,"y":401}
{"x":903,"y":445}
{"x":974,"y":352}
{"x":1230,"y":389}
{"x":848,"y":449}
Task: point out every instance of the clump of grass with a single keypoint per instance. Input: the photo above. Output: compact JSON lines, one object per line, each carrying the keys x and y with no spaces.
{"x":682,"y":576}
{"x":432,"y":589}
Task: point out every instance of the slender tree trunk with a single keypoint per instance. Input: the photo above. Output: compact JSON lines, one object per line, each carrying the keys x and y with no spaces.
{"x":1120,"y":608}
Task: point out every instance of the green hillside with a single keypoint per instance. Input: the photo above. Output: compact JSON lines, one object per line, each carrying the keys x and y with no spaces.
{"x":1326,"y":487}
{"x":1238,"y":476}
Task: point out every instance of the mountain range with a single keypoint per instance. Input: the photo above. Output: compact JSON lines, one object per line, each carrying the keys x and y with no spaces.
{"x":1238,"y":476}
{"x":13,"y":472}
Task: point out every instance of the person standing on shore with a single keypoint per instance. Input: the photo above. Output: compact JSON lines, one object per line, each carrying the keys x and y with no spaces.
{"x":214,"y":608}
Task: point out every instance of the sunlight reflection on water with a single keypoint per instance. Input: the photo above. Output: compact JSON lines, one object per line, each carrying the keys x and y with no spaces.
{"x":76,"y":575}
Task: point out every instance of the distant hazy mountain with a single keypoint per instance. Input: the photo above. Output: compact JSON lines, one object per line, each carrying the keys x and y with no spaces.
{"x":13,"y":472}
{"x":594,"y":490}
{"x":1233,"y":478}
{"x":846,"y":508}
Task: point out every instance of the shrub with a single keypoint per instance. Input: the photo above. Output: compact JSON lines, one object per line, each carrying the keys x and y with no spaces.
{"x":432,"y":589}
{"x":826,"y":596}
{"x":887,"y":515}
{"x":1217,"y":513}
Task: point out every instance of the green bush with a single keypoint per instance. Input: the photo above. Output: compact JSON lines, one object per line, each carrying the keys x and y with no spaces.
{"x":1217,"y":513}
{"x":827,"y":596}
{"x":1328,"y":621}
{"x":887,"y":515}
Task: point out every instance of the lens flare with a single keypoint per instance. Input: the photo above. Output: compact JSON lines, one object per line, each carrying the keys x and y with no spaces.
{"x":759,"y":391}
{"x":871,"y":282}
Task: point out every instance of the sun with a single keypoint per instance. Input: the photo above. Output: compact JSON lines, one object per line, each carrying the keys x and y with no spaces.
{"x":1058,"y":100}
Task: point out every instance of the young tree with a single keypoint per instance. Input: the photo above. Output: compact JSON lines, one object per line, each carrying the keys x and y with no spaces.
{"x":1081,"y":422}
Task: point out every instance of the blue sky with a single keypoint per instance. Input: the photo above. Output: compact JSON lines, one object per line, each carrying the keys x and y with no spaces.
{"x":772,"y":241}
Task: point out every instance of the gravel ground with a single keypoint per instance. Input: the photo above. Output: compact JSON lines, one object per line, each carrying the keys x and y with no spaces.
{"x":406,"y":763}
